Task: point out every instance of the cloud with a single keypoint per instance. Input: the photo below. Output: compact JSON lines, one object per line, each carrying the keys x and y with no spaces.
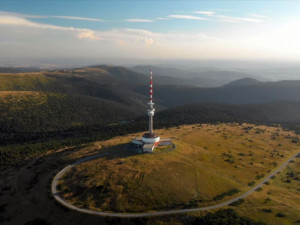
{"x":207,"y":13}
{"x":21,"y":37}
{"x":147,"y":41}
{"x":257,"y":15}
{"x":139,"y":20}
{"x":3,"y":13}
{"x":88,"y":34}
{"x":17,"y":21}
{"x":239,"y":19}
{"x":187,"y":17}
{"x":162,"y":18}
{"x":75,"y":18}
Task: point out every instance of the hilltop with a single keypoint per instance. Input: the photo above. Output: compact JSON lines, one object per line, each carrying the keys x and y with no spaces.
{"x":243,"y":82}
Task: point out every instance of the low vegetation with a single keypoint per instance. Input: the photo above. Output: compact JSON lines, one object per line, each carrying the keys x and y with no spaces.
{"x":227,"y":193}
{"x":238,"y":202}
{"x":227,"y":216}
{"x":193,"y":175}
{"x":279,"y":201}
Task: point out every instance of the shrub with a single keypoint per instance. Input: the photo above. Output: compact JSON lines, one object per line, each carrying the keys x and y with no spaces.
{"x":280,"y":214}
{"x":238,"y":202}
{"x":251,"y":183}
{"x":228,"y":193}
{"x":258,"y":189}
{"x":223,"y":217}
{"x":259,"y":176}
{"x":267,"y":210}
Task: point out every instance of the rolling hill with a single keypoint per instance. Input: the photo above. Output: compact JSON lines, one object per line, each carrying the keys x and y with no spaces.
{"x":209,"y":78}
{"x":124,"y":86}
{"x":18,"y":69}
{"x":262,"y":92}
{"x":38,"y":105}
{"x":274,"y":112}
{"x":243,"y":82}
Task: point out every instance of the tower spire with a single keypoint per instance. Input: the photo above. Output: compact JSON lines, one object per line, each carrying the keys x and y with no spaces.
{"x":151,"y":109}
{"x":151,"y":86}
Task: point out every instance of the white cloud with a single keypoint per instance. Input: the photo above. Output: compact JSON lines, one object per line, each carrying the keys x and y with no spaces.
{"x":187,"y":17}
{"x":239,"y":19}
{"x":257,"y":15}
{"x":139,"y":20}
{"x":162,"y":18}
{"x":3,"y":13}
{"x":17,"y":21}
{"x":75,"y":18}
{"x":207,"y":13}
{"x":88,"y":34}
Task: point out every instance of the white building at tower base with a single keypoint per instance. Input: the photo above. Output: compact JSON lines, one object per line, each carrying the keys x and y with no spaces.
{"x":149,"y":146}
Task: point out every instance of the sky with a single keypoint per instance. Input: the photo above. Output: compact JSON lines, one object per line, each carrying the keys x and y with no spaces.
{"x":140,"y":29}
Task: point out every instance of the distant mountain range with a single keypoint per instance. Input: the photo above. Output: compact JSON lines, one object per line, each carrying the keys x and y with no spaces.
{"x":243,"y":82}
{"x":273,"y":112}
{"x":210,"y":78}
{"x":18,"y":69}
{"x":37,"y":105}
{"x":123,"y":86}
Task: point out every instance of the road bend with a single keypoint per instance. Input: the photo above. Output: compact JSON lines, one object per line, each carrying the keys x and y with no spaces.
{"x":57,"y":197}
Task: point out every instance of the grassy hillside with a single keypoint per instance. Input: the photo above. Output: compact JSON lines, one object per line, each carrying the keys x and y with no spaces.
{"x":111,"y":83}
{"x":279,"y":201}
{"x":25,"y":82}
{"x":211,"y":163}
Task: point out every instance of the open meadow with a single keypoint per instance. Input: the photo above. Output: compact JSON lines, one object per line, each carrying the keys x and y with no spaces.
{"x":211,"y":164}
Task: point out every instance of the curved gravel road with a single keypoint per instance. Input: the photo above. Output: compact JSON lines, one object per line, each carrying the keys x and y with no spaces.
{"x":162,"y":213}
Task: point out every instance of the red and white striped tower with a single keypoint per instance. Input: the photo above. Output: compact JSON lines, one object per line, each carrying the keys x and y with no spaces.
{"x":150,"y":137}
{"x":151,"y":86}
{"x":151,"y":109}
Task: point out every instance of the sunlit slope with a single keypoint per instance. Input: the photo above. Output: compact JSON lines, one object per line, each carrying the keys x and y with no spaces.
{"x":111,"y":83}
{"x":211,"y":163}
{"x":25,"y":82}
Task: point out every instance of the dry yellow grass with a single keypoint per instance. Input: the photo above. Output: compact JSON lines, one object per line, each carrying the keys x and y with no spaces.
{"x":208,"y":161}
{"x":23,"y":81}
{"x":280,"y":196}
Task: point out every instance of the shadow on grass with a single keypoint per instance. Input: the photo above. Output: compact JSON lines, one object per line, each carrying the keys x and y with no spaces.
{"x":121,"y":151}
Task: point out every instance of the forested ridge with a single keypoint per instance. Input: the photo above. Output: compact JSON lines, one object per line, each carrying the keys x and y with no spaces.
{"x":53,"y":109}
